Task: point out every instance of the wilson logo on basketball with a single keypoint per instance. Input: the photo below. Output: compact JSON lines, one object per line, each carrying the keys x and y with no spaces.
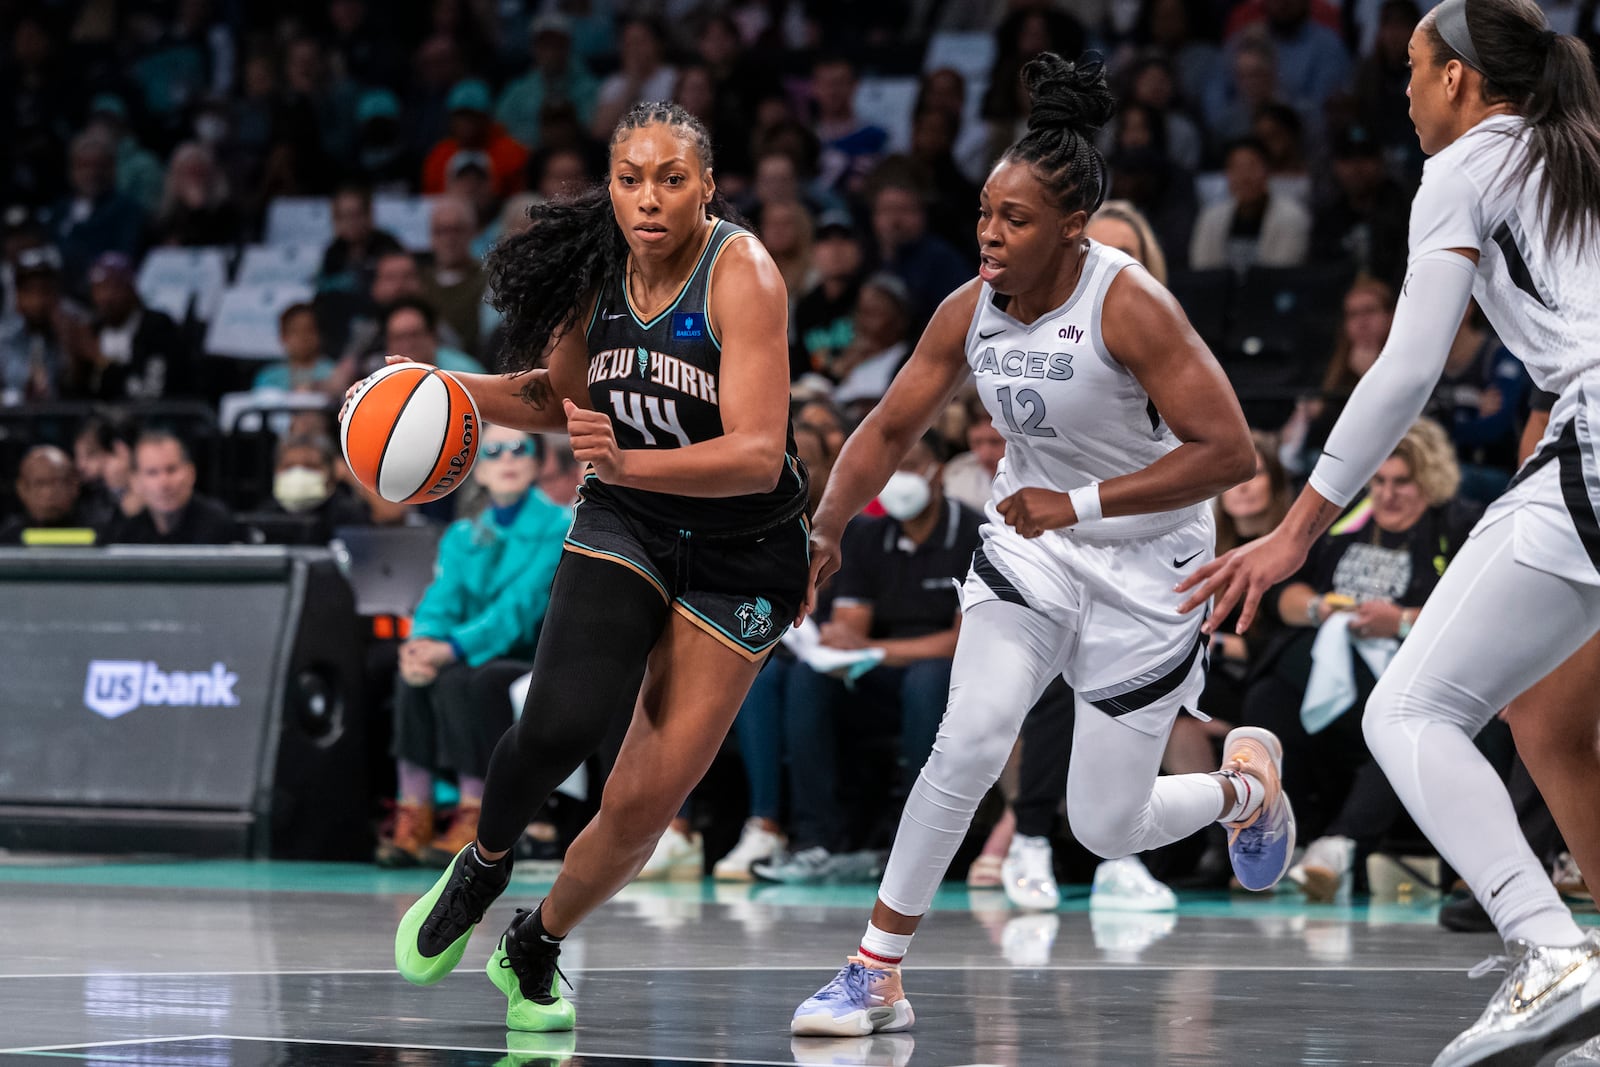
{"x":460,"y":462}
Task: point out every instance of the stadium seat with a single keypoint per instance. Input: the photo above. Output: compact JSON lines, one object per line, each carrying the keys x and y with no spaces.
{"x":407,"y":218}
{"x":171,"y":277}
{"x":291,"y":264}
{"x":300,"y":220}
{"x":246,"y":323}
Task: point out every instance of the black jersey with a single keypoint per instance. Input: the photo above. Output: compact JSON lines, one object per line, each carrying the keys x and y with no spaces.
{"x":658,"y":381}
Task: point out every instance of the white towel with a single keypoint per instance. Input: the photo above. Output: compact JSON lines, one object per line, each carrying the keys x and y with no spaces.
{"x":1331,"y":689}
{"x":805,"y":641}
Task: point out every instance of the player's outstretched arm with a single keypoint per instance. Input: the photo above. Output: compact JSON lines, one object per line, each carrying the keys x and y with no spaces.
{"x":529,"y":400}
{"x":918,"y":393}
{"x":532,"y":400}
{"x":1385,"y":403}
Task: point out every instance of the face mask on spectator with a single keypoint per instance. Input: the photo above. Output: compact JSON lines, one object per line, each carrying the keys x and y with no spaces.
{"x":300,"y":488}
{"x":905,"y":495}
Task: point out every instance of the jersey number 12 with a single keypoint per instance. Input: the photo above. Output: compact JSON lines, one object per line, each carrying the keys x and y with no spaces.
{"x":632,"y":409}
{"x":1032,"y":405}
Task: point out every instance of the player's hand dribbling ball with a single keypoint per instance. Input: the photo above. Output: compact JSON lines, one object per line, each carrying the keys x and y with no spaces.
{"x":410,"y":433}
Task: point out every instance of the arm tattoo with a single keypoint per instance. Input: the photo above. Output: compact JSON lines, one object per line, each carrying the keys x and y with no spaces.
{"x":1321,"y":519}
{"x":537,"y":392}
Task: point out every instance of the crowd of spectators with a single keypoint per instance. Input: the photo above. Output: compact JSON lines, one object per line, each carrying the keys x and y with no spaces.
{"x":1262,"y":162}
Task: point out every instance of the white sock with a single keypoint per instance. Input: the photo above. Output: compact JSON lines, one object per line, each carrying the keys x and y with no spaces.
{"x":1248,"y":795}
{"x":1523,"y":904}
{"x":880,"y":946}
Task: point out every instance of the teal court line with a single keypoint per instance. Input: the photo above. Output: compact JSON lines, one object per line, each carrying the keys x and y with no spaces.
{"x":288,"y":876}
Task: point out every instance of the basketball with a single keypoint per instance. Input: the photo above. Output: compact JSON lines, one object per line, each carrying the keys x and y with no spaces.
{"x":410,"y":433}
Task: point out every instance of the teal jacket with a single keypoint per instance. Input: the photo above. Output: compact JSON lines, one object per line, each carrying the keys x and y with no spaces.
{"x":491,"y":584}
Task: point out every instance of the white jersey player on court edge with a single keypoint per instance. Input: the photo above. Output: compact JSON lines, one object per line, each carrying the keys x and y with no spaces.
{"x":1508,"y":213}
{"x":1119,"y":425}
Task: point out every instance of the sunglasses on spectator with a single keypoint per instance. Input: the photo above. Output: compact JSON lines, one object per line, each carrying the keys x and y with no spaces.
{"x":496,"y":449}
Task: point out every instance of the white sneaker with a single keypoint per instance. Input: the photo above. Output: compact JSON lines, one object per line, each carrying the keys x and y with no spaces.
{"x":1127,"y":885}
{"x":1325,"y":869}
{"x":1029,"y":874}
{"x":1548,"y":994}
{"x":677,"y":855}
{"x":809,"y":866}
{"x":756,"y":843}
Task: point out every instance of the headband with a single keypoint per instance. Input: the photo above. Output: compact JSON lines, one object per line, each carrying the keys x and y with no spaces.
{"x":1450,"y":19}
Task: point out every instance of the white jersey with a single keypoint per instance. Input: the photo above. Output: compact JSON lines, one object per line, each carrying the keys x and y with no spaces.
{"x":1541,"y":300}
{"x":1070,"y":413}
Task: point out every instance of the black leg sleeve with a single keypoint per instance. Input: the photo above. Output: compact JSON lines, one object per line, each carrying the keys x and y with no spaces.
{"x":1046,"y":755}
{"x":603,"y":621}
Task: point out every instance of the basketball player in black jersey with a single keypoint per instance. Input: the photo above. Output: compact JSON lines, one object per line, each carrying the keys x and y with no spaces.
{"x":653,"y":331}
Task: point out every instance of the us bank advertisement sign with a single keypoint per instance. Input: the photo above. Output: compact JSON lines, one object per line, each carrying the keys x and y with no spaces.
{"x":115,"y":687}
{"x":135,"y":693}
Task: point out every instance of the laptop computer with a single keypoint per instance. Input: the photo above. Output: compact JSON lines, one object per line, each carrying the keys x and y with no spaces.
{"x":279,"y":528}
{"x":388,"y":567}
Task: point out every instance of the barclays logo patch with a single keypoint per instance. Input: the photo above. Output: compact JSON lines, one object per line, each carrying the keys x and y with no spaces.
{"x":115,"y":687}
{"x":687,"y":326}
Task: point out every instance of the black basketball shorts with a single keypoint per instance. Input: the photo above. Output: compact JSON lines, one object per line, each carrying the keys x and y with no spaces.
{"x":742,"y":590}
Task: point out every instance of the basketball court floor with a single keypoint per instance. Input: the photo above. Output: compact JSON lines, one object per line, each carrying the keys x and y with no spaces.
{"x":234,"y":964}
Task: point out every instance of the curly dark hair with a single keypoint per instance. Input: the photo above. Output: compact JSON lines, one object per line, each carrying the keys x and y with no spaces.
{"x":1071,"y":101}
{"x":542,"y":278}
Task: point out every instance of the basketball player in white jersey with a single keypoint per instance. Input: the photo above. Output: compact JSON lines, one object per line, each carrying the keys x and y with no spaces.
{"x":1509,"y":214}
{"x":1119,"y":426}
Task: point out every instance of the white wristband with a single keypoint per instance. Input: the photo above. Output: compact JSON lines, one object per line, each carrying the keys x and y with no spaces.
{"x":1086,"y":502}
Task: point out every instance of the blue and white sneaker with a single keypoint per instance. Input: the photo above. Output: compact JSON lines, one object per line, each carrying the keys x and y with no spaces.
{"x":1261,"y":846}
{"x":860,"y":1000}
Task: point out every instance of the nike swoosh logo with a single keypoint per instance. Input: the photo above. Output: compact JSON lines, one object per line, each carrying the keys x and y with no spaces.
{"x":1503,"y":884}
{"x":991,"y":333}
{"x":608,"y":318}
{"x":1185,"y":562}
{"x":1521,"y":1003}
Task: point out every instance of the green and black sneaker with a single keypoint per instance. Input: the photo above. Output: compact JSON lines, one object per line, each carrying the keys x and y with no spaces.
{"x":524,"y":968}
{"x":434,"y":932}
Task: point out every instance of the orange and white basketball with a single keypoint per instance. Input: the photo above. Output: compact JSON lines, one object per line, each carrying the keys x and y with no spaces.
{"x":410,"y":433}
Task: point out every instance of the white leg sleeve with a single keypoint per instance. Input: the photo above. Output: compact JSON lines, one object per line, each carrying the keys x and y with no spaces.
{"x":1491,"y":629}
{"x":1005,"y":657}
{"x":1115,"y":802}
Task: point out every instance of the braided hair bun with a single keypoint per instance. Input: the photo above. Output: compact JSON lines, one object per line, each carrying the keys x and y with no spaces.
{"x":1067,"y":95}
{"x":1071,"y":101}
